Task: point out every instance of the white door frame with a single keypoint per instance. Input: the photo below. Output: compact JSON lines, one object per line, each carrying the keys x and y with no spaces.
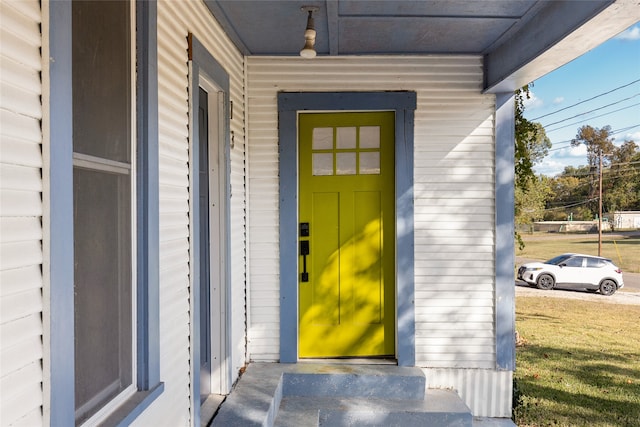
{"x":206,"y":73}
{"x":217,"y":241}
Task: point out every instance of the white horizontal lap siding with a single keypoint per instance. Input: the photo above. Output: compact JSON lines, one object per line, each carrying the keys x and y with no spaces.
{"x":234,"y":64}
{"x":175,"y":21}
{"x":173,"y":405}
{"x":21,"y":210}
{"x":263,"y":249}
{"x":454,"y":229}
{"x":454,"y":196}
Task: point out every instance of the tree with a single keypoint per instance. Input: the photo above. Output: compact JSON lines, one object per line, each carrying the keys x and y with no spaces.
{"x":569,"y":192}
{"x":530,"y":201}
{"x":538,"y":144}
{"x":572,"y":190}
{"x":531,"y":146}
{"x":599,"y":144}
{"x":635,"y":164}
{"x":597,"y":141}
{"x":531,"y":143}
{"x":622,"y":191}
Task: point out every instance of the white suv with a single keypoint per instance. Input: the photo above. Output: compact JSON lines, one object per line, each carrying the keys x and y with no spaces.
{"x":574,"y":271}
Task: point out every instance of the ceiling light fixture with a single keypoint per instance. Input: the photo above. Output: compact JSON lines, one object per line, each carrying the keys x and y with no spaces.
{"x":308,"y":50}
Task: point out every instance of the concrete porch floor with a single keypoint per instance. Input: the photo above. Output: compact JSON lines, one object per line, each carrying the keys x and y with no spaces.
{"x":342,"y":394}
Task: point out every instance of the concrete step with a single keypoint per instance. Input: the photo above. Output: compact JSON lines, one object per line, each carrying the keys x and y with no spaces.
{"x":439,"y":408}
{"x":325,"y":394}
{"x":370,"y":381}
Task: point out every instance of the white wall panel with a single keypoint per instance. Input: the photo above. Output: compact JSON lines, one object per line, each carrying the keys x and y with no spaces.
{"x":175,"y":21}
{"x":453,"y":168}
{"x":21,"y":186}
{"x":173,"y":404}
{"x":453,"y":171}
{"x":20,"y":126}
{"x":453,"y":188}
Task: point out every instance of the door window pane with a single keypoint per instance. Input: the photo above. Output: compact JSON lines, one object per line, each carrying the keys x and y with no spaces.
{"x":370,"y":137}
{"x":323,"y":163}
{"x":322,"y":139}
{"x":370,"y":163}
{"x":345,"y":163}
{"x":346,"y":138}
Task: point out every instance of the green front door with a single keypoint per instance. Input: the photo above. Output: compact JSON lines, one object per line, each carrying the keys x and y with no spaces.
{"x":347,"y":279}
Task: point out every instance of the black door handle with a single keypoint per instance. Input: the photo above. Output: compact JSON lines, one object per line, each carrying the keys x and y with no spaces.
{"x":304,"y":251}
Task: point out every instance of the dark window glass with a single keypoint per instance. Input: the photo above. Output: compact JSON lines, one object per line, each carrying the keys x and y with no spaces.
{"x":574,"y":262}
{"x":205,"y":271}
{"x":102,"y":278}
{"x":557,"y":260}
{"x":101,"y":79}
{"x":102,"y":203}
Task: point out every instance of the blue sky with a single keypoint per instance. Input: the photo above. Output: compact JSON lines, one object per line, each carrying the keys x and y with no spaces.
{"x":600,"y":74}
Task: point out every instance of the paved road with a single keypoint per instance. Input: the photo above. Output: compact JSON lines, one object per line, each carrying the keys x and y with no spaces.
{"x":631,"y":281}
{"x":626,"y":297}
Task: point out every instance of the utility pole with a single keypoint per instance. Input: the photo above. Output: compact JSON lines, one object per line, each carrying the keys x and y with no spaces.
{"x":600,"y":207}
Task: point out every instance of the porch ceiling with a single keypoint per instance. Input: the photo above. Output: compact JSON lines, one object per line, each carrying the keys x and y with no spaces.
{"x":510,"y":34}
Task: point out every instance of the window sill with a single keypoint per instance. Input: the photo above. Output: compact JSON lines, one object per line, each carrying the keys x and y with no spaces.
{"x":133,"y":407}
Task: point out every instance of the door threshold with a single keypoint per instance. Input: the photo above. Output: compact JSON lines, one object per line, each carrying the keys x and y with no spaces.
{"x":352,"y":361}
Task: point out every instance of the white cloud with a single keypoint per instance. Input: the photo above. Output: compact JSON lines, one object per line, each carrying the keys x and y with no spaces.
{"x":533,"y":101}
{"x":635,"y":137}
{"x":577,"y":151}
{"x":569,"y":153}
{"x":632,"y":33}
{"x":558,"y":100}
{"x":549,"y":167}
{"x":557,"y":161}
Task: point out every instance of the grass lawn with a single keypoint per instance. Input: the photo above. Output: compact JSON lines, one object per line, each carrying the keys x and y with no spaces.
{"x":577,"y":363}
{"x":624,"y":252}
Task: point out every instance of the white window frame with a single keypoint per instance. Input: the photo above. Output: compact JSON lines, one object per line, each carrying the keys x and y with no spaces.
{"x":58,"y":250}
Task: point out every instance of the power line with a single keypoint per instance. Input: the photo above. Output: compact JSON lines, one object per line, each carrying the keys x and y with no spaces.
{"x":591,"y":111}
{"x":572,"y":205}
{"x":580,"y":174}
{"x":588,"y":181}
{"x":614,"y":132}
{"x":608,"y":170}
{"x":625,"y":163}
{"x":591,"y":118}
{"x":568,"y":142}
{"x":586,"y":100}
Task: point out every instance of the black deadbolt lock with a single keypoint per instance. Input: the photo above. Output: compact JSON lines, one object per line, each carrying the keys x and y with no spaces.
{"x":304,"y":229}
{"x":304,"y":247}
